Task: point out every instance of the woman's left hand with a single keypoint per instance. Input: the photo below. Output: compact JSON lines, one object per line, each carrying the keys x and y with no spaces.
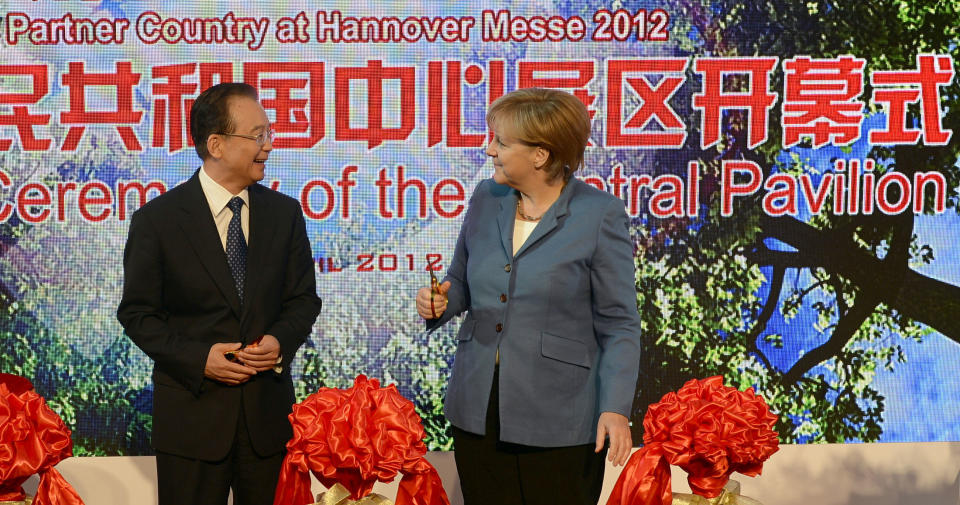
{"x":617,"y":427}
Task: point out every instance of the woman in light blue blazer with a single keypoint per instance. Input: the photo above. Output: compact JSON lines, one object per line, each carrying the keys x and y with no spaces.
{"x":547,"y":355}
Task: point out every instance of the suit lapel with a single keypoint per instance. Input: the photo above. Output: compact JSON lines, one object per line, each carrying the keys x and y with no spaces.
{"x":261,"y":235}
{"x":550,"y":219}
{"x":505,"y":220}
{"x":197,"y":224}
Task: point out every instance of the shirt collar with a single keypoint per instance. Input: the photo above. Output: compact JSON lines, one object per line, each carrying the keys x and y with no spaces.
{"x":218,"y":196}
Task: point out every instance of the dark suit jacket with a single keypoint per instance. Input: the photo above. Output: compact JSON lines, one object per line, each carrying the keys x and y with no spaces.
{"x":179,"y":299}
{"x":562,"y":311}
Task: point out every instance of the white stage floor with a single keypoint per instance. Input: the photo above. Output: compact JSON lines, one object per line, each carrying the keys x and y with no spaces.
{"x":841,"y":474}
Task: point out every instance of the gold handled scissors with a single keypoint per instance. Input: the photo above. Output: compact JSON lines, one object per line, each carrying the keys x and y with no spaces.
{"x":434,"y":290}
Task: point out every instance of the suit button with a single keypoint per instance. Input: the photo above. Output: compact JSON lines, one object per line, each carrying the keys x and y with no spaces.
{"x":499,"y":327}
{"x":503,"y":298}
{"x":506,"y":268}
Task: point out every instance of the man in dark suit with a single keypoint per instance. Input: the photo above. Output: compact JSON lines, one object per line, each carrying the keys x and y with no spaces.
{"x":221,"y":319}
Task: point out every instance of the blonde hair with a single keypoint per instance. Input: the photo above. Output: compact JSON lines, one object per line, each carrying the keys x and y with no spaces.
{"x":553,"y":120}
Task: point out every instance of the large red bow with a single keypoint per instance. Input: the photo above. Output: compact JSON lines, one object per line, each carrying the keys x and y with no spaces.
{"x":707,"y":429}
{"x":15,"y":383}
{"x":356,"y":437}
{"x":33,"y":439}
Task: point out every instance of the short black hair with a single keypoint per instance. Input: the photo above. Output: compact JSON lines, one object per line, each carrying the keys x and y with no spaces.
{"x":210,"y":112}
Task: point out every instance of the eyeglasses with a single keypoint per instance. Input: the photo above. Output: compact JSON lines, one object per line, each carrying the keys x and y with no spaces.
{"x":260,"y":139}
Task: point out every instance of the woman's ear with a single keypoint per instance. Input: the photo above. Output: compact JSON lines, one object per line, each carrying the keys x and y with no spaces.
{"x":540,"y":157}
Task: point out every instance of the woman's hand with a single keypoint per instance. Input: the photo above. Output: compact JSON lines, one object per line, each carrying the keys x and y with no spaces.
{"x":434,"y":310}
{"x":617,"y":427}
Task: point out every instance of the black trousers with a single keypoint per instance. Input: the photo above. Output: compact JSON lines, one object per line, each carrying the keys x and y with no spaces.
{"x":500,"y":473}
{"x":253,"y":478}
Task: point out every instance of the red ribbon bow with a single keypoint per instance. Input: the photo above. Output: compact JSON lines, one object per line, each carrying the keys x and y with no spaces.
{"x":15,"y":383}
{"x":33,"y":439}
{"x":707,"y":429}
{"x":356,"y":437}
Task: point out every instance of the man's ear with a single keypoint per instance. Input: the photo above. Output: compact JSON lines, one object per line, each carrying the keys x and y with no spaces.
{"x":215,"y":146}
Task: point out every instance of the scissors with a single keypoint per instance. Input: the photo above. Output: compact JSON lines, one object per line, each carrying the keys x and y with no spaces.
{"x":434,"y":290}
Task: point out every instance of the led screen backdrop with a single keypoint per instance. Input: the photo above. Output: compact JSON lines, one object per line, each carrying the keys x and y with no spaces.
{"x":790,"y":170}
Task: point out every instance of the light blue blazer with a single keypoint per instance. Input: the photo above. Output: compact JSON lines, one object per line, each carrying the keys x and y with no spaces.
{"x":563,"y":312}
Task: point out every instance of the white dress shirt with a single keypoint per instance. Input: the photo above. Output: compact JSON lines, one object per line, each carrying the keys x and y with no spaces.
{"x":218,"y":197}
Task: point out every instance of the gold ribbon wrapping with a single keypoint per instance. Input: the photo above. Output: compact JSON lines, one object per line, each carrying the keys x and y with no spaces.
{"x":729,"y":496}
{"x":27,"y":501}
{"x":338,"y":495}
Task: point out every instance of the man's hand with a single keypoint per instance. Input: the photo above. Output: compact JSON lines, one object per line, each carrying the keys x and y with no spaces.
{"x":617,"y":427}
{"x":263,"y":356}
{"x":220,"y":369}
